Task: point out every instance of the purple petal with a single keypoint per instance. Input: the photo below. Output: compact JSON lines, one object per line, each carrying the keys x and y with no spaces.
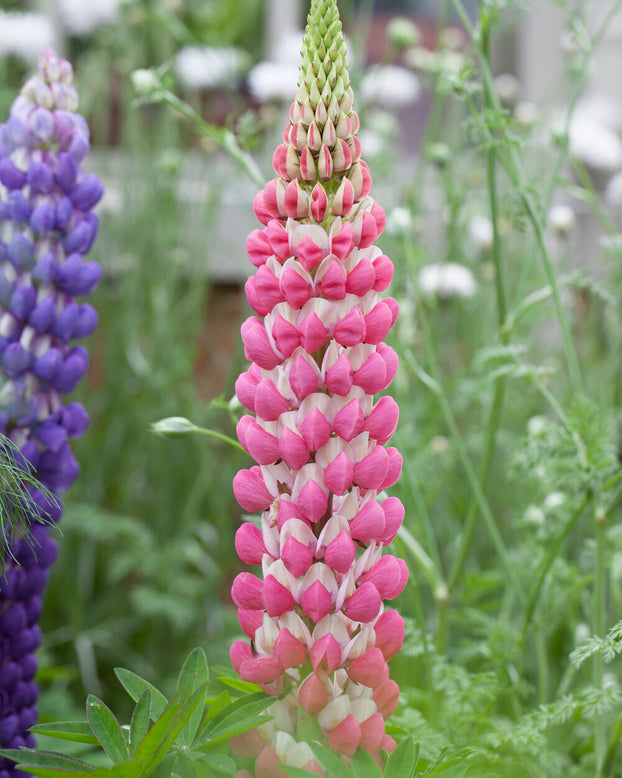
{"x":10,"y":175}
{"x":42,"y":218}
{"x":65,"y":321}
{"x":86,"y":321}
{"x":67,"y":171}
{"x":22,"y":302}
{"x":51,"y":435}
{"x":19,"y":207}
{"x":16,"y":359}
{"x":21,"y":252}
{"x":87,"y":193}
{"x":40,"y":177}
{"x":42,"y":315}
{"x":64,"y":212}
{"x":48,"y":364}
{"x":75,"y":419}
{"x":41,"y":123}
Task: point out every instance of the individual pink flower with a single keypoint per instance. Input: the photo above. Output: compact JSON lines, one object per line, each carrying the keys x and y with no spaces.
{"x":316,"y":614}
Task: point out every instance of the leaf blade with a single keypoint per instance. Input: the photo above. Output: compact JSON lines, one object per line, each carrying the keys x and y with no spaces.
{"x":106,"y":729}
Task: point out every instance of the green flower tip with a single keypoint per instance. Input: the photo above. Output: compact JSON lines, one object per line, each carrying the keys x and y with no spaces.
{"x":324,"y":68}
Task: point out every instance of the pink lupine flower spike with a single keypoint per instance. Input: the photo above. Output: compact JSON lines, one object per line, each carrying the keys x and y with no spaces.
{"x":315,"y":616}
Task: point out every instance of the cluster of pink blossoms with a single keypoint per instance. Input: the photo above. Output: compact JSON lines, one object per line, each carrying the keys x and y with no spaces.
{"x":316,"y":619}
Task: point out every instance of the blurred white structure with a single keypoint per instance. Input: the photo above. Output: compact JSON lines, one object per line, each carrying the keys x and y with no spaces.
{"x":283,"y":18}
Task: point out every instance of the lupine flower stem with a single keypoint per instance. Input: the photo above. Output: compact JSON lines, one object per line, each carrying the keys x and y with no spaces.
{"x":598,"y":628}
{"x":321,"y":637}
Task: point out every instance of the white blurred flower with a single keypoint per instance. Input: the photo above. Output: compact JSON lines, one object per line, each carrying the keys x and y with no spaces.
{"x":508,"y":88}
{"x":25,"y":35}
{"x":448,"y":279}
{"x":207,"y":67}
{"x":480,"y":232}
{"x":372,"y":142}
{"x":562,"y":219}
{"x":399,"y":221}
{"x":390,"y":86}
{"x":534,"y":516}
{"x":273,"y":81}
{"x":526,"y":113}
{"x":288,"y":48}
{"x":598,"y":147}
{"x":537,"y":425}
{"x":82,"y":17}
{"x":554,"y":500}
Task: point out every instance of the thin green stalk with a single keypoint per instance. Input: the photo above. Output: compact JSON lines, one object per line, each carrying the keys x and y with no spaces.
{"x":545,"y":565}
{"x":614,"y":740}
{"x":433,"y":381}
{"x":496,"y":410}
{"x":543,"y":666}
{"x":598,"y":628}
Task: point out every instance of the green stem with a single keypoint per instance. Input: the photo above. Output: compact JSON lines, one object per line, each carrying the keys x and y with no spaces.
{"x":543,"y":666}
{"x":598,"y":628}
{"x":614,"y":740}
{"x":219,"y":135}
{"x":433,"y":381}
{"x":546,"y":563}
{"x":219,"y":436}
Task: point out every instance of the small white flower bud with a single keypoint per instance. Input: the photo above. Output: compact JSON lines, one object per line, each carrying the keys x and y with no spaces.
{"x":173,"y":425}
{"x":146,"y":82}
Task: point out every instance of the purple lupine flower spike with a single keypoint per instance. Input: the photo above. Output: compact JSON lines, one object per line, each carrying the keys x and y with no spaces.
{"x":46,"y":228}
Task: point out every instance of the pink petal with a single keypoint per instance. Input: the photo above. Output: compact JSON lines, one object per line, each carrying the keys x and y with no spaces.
{"x":316,"y":601}
{"x":343,"y":242}
{"x":389,"y":631}
{"x":258,"y":247}
{"x":296,"y":557}
{"x":256,"y":344}
{"x":312,"y":333}
{"x":246,"y":591}
{"x":349,"y":420}
{"x":267,"y":287}
{"x":315,"y":429}
{"x":260,"y":210}
{"x":344,"y":196}
{"x":361,"y":278}
{"x":365,"y":230}
{"x":303,"y":379}
{"x":383,"y":268}
{"x":294,"y":451}
{"x":250,"y":621}
{"x":250,"y":490}
{"x":382,"y":421}
{"x":279,"y":160}
{"x":394,"y":306}
{"x":371,"y":471}
{"x":394,"y":516}
{"x":324,"y":163}
{"x":279,"y":239}
{"x":378,"y":322}
{"x":390,"y":359}
{"x":386,"y":576}
{"x":296,"y":200}
{"x":340,"y":553}
{"x":241,"y":427}
{"x":379,"y":215}
{"x":369,"y":523}
{"x":309,"y":253}
{"x":249,"y":544}
{"x":308,"y":170}
{"x":369,"y":668}
{"x":364,"y":604}
{"x":346,"y":736}
{"x":247,"y":745}
{"x":333,"y":283}
{"x":290,"y":651}
{"x":285,"y":335}
{"x":296,"y":289}
{"x":312,"y":501}
{"x":261,"y":445}
{"x":269,"y":402}
{"x":339,"y":377}
{"x":273,"y":198}
{"x":325,"y":653}
{"x":338,"y":474}
{"x":386,"y":696}
{"x":313,"y":694}
{"x":350,"y":331}
{"x":395,"y":467}
{"x":245,"y":387}
{"x":254,"y":299}
{"x":261,"y":669}
{"x":372,"y":733}
{"x":372,"y":374}
{"x":319,"y":203}
{"x":239,"y":653}
{"x":277,"y":599}
{"x":267,"y":763}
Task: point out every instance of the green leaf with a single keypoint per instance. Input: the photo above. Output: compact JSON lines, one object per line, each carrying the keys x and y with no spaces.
{"x":236,"y":712}
{"x":122,"y":770}
{"x":106,"y":729}
{"x":75,"y":731}
{"x":193,"y":674}
{"x":235,"y":728}
{"x":158,"y":742}
{"x":240,"y":685}
{"x":220,"y":762}
{"x":402,"y":761}
{"x":364,"y":766}
{"x":135,"y":686}
{"x":216,"y":707}
{"x":44,"y":772}
{"x":139,"y":725}
{"x":330,"y":761}
{"x":35,"y":757}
